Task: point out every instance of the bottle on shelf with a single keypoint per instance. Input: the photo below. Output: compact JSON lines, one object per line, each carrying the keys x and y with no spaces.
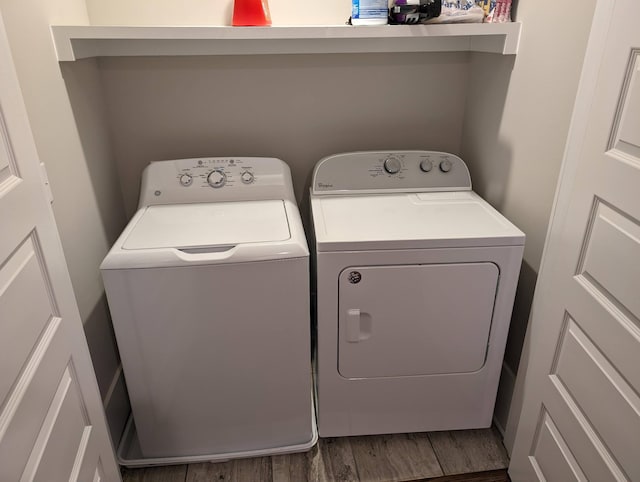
{"x":369,"y":12}
{"x":251,"y":13}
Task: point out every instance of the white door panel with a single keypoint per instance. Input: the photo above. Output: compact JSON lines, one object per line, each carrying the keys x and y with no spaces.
{"x":22,"y":273}
{"x":26,"y":408}
{"x":613,"y":410}
{"x":52,"y":424}
{"x":609,"y":271}
{"x":576,"y":430}
{"x":62,"y":436}
{"x":552,"y":458}
{"x":621,"y":338}
{"x":581,"y":411}
{"x":626,"y":133}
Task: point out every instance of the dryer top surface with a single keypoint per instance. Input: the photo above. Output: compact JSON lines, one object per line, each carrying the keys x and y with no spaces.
{"x":409,"y":220}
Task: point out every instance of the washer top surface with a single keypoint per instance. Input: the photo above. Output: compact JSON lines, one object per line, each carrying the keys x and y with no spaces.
{"x":402,"y":200}
{"x":209,"y":224}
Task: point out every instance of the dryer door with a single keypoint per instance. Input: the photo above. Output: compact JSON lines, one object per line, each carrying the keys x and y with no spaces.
{"x":415,"y":320}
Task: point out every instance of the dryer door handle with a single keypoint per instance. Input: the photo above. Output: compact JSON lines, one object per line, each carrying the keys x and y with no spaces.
{"x":358,"y":325}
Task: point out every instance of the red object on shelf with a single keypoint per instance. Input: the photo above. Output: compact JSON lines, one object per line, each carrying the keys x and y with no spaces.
{"x":251,"y":13}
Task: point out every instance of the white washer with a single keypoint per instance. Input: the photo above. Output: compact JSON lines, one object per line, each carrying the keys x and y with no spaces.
{"x":416,"y":277}
{"x":208,"y":287}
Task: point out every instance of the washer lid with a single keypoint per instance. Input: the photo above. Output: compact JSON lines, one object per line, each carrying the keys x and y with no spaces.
{"x":209,"y":224}
{"x":409,"y":220}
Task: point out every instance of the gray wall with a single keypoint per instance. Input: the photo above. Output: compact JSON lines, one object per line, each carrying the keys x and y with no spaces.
{"x":295,"y":107}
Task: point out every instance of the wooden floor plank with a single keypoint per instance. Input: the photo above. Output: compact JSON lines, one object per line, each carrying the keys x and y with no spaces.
{"x":300,"y":467}
{"x":393,"y":458}
{"x":383,"y":458}
{"x":169,"y":473}
{"x":290,"y":468}
{"x":338,"y":461}
{"x":255,"y":470}
{"x":465,"y":451}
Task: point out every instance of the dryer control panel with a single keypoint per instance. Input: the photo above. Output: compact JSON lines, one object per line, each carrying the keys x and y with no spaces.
{"x":390,"y":171}
{"x":215,"y":179}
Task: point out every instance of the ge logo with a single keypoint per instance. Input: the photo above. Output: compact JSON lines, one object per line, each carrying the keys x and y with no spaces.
{"x":354,"y":277}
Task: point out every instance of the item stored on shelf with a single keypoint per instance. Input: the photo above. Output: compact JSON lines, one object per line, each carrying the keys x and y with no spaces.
{"x":369,"y":12}
{"x":486,"y":5}
{"x":459,"y":11}
{"x":499,"y":11}
{"x":251,"y":13}
{"x":413,"y":11}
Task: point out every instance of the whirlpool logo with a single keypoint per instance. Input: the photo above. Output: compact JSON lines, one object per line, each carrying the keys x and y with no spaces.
{"x":324,"y":185}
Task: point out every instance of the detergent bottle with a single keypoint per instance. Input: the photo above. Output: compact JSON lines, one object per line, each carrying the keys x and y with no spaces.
{"x":251,"y":13}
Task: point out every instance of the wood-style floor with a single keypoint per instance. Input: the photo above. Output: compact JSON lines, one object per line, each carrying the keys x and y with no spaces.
{"x":381,"y":458}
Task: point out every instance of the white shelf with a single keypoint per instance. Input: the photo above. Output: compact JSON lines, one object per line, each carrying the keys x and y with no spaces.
{"x":79,"y":42}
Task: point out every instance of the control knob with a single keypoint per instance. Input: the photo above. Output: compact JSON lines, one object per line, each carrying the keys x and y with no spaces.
{"x":217,"y":178}
{"x":392,"y":165}
{"x":445,"y":166}
{"x":186,"y":179}
{"x":426,"y":165}
{"x":247,"y":177}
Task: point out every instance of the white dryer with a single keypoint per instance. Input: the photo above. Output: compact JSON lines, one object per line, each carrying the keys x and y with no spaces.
{"x":415,"y":280}
{"x":208,"y":288}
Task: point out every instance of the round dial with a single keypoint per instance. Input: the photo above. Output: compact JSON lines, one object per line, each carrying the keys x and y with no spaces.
{"x":186,"y":180}
{"x":217,"y":178}
{"x":392,"y":165}
{"x":426,"y":165}
{"x":445,"y":166}
{"x":246,"y":177}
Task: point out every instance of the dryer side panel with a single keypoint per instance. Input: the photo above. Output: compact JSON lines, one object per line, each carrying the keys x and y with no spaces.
{"x":428,"y":319}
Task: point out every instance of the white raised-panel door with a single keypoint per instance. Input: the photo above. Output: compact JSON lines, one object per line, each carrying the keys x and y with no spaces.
{"x":581,"y":410}
{"x":52,"y":424}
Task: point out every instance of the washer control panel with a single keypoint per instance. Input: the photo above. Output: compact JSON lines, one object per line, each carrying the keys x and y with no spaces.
{"x":215,"y":172}
{"x":391,"y":171}
{"x":214,"y":179}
